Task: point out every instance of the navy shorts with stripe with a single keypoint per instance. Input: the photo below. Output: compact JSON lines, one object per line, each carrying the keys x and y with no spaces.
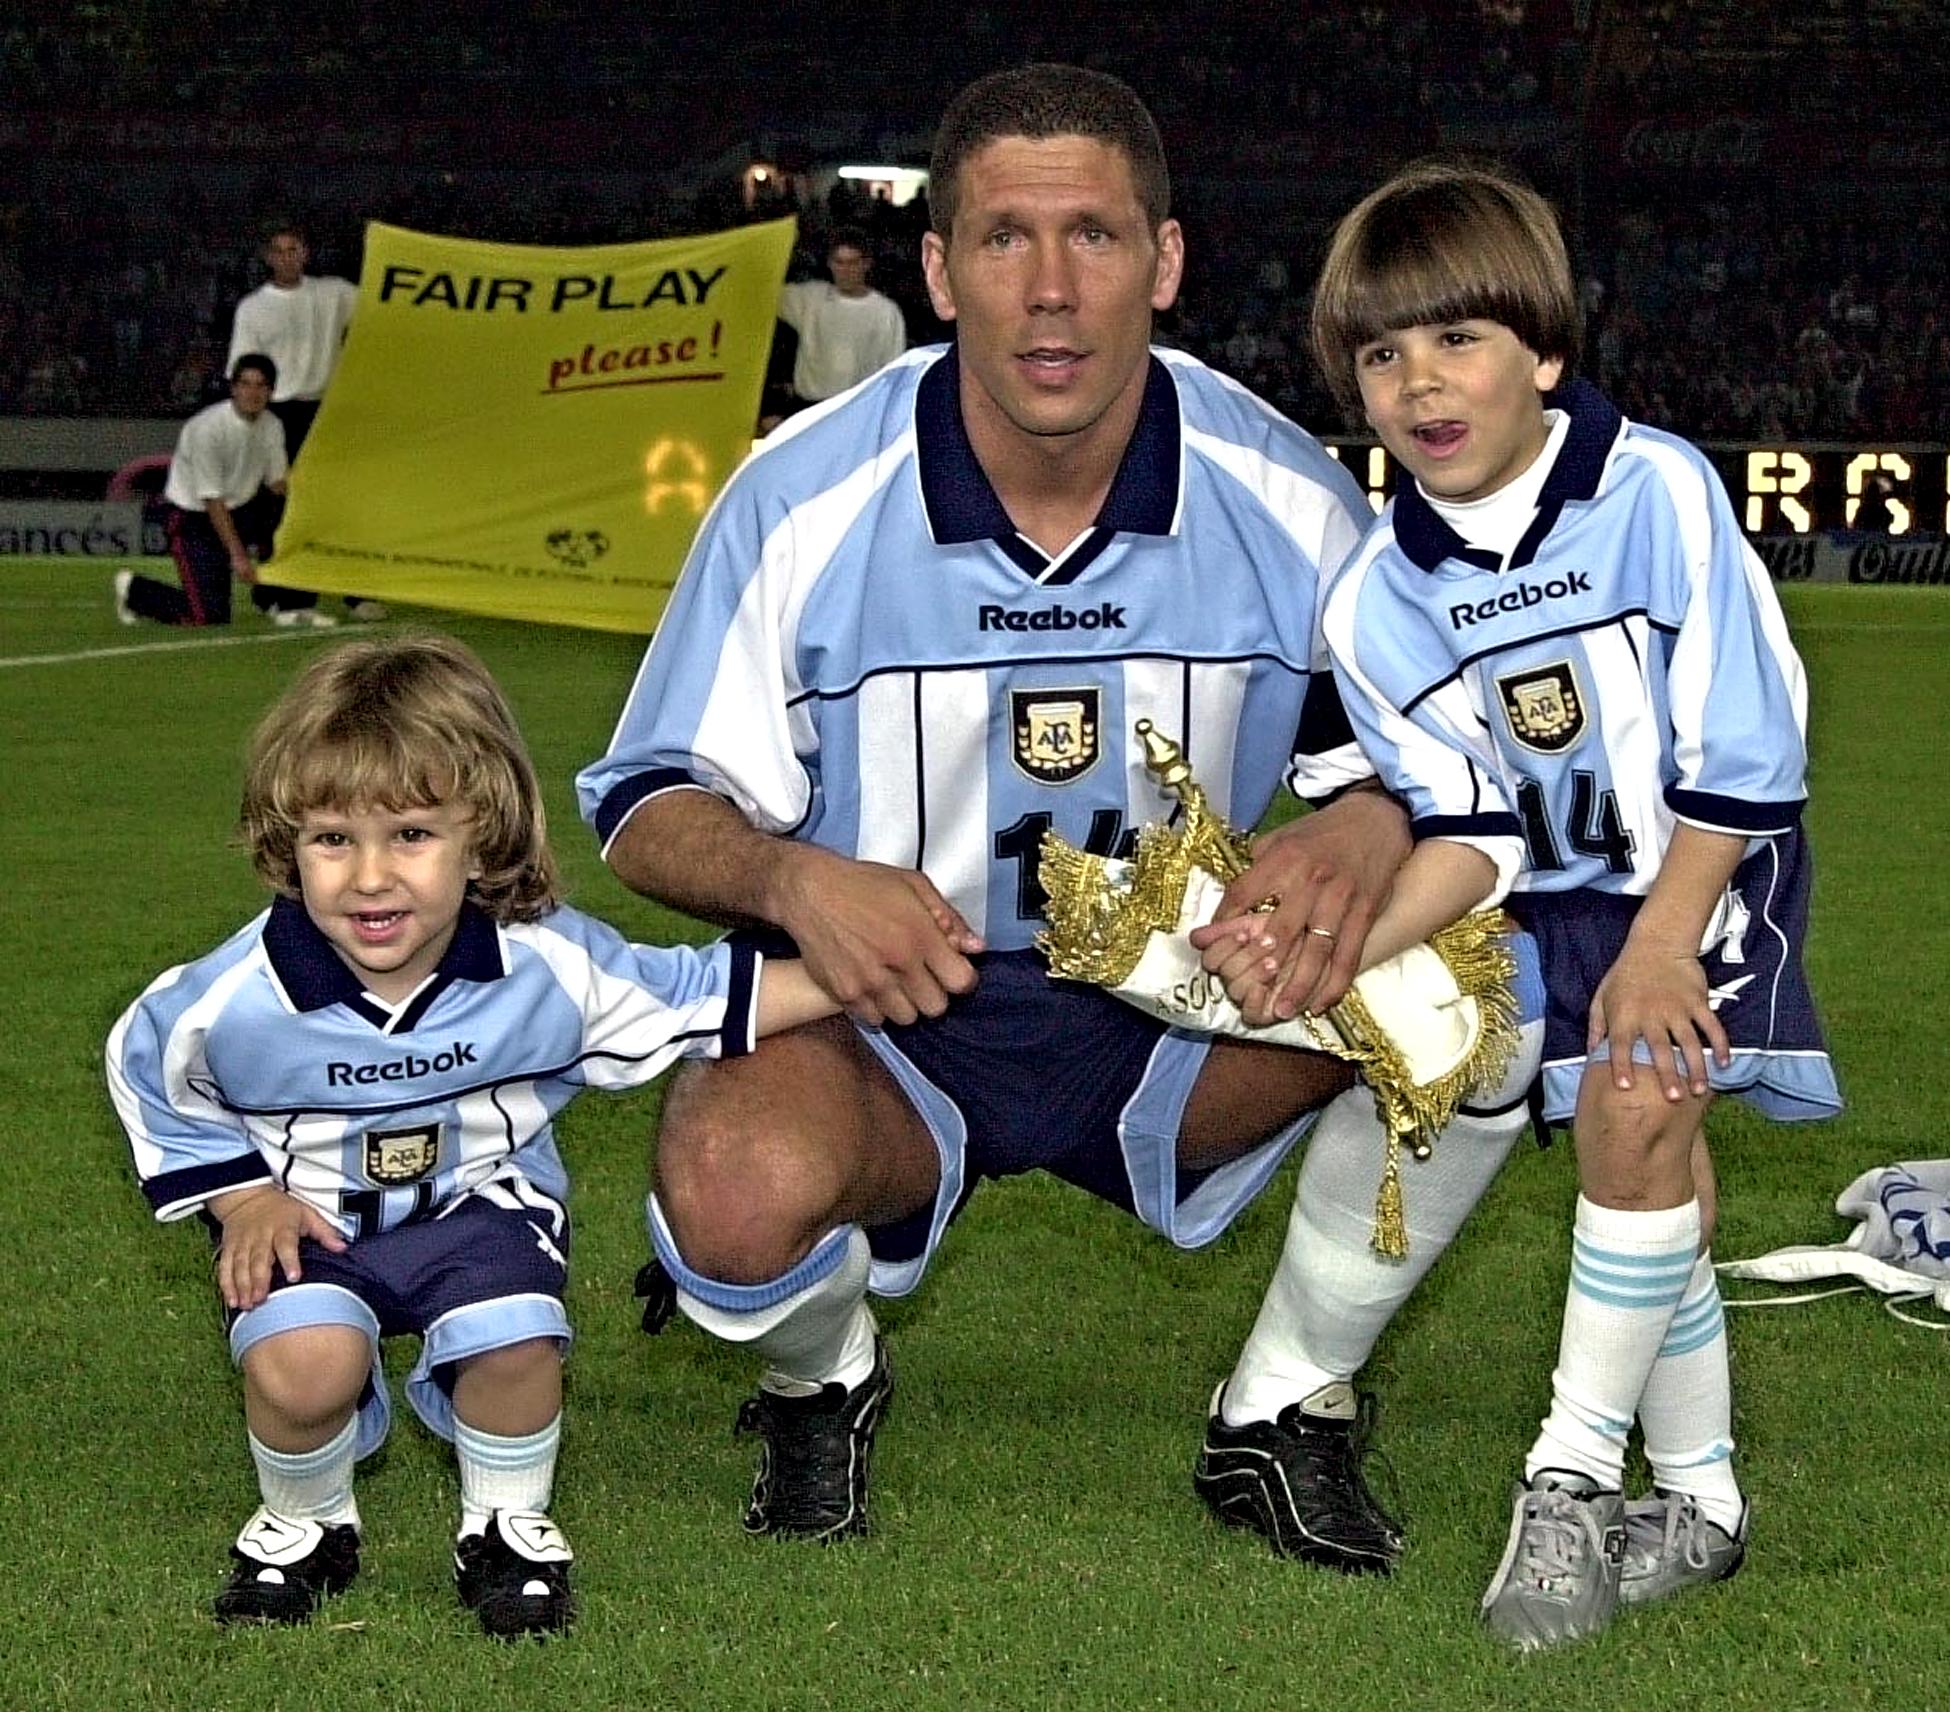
{"x":1028,"y":1073}
{"x":487,"y":1274}
{"x":1754,"y":972}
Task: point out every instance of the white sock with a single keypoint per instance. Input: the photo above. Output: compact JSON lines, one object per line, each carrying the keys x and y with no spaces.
{"x":1687,"y":1409}
{"x":1332,"y":1295}
{"x":310,"y":1485}
{"x":1628,"y":1272}
{"x":812,"y":1325}
{"x":498,"y":1473}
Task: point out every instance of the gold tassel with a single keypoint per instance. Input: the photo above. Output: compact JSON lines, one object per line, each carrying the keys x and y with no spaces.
{"x":1483,"y":967}
{"x":1390,"y":1238}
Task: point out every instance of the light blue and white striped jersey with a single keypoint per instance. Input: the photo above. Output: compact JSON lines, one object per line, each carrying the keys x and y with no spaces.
{"x":1627,"y":667}
{"x":863,"y":652}
{"x":267,"y":1062}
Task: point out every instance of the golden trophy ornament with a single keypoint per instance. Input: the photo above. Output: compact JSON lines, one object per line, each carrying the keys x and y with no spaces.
{"x":1424,"y":1028}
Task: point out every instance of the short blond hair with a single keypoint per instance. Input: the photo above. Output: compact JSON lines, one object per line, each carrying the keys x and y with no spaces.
{"x":401,"y":723}
{"x":1443,"y":241}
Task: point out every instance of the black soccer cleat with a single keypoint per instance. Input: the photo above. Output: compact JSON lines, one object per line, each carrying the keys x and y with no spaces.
{"x":1297,"y":1481}
{"x":284,"y":1569}
{"x":514,"y":1575}
{"x":812,"y":1465}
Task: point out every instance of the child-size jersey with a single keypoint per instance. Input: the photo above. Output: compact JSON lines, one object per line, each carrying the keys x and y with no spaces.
{"x":1628,"y":667}
{"x":864,"y":653}
{"x":267,"y":1062}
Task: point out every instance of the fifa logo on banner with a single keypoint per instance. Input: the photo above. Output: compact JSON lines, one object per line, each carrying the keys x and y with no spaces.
{"x":577,"y":547}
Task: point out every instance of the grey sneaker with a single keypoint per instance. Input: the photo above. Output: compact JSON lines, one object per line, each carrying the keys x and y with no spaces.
{"x":1670,"y":1546}
{"x":1558,"y":1580}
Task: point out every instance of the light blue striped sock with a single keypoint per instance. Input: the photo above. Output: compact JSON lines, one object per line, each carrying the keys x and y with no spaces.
{"x":1687,"y":1409}
{"x":498,"y":1473}
{"x":310,"y":1485}
{"x":1628,"y":1273}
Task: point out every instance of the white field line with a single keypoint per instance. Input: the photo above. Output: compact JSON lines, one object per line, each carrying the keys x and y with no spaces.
{"x":156,"y":648}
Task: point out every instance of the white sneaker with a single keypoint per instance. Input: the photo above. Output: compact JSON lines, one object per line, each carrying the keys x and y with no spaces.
{"x":124,"y":581}
{"x":366,"y":611}
{"x":303,"y":618}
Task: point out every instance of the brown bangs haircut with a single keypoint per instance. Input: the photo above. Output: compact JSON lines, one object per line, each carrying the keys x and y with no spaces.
{"x":1039,"y":102}
{"x":400,"y":724}
{"x":1442,"y":242}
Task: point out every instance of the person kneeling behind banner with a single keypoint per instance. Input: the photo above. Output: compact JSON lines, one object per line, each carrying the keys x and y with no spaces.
{"x":1425,"y":1027}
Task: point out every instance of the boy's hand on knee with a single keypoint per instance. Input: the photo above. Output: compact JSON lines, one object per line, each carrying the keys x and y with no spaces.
{"x":1658,"y":995}
{"x":262,"y":1228}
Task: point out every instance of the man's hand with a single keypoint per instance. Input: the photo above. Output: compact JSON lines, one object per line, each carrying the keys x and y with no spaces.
{"x":262,"y":1227}
{"x":881,"y":940}
{"x":1658,"y":994}
{"x":1328,"y":873}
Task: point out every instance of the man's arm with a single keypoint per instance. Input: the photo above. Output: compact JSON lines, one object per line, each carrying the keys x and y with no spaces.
{"x":233,"y":543}
{"x":1330,"y":873}
{"x":880,"y":939}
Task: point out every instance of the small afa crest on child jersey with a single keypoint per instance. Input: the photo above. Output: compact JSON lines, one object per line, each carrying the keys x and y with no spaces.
{"x":401,"y":1155}
{"x":1544,"y":706}
{"x":1055,"y":733}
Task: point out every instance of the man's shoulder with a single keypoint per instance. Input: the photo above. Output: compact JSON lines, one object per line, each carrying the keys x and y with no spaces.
{"x":828,"y":441}
{"x":1233,"y":423}
{"x":207,"y":423}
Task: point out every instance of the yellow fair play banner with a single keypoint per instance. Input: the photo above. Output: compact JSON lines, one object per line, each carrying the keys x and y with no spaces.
{"x":533,"y":433}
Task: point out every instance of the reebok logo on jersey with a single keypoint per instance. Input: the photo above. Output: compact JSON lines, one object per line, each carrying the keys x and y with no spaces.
{"x":407,"y":1069}
{"x":1524,"y":595}
{"x":1101,"y":617}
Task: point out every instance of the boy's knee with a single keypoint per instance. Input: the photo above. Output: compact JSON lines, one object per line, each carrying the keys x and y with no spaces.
{"x":514,"y":1363}
{"x":1634,"y":1145}
{"x":309,"y":1375}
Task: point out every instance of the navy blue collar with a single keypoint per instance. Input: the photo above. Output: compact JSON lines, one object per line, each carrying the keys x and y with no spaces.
{"x":961,"y":503}
{"x":1594,"y":428}
{"x":313,"y":975}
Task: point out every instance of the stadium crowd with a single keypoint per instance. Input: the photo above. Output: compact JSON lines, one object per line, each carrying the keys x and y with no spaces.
{"x":1730,"y":301}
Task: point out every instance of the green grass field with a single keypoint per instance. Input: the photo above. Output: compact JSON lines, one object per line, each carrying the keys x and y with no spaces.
{"x":1038,"y":1543}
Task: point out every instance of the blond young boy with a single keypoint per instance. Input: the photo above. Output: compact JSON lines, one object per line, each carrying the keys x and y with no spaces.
{"x":356,"y":1092}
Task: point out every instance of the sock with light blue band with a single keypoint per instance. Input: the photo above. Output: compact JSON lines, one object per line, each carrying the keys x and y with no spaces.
{"x":1629,"y":1271}
{"x":811,"y":1324}
{"x":1687,"y":1409}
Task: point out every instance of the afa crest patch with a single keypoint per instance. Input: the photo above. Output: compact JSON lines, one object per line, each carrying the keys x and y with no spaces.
{"x":395,"y":1156}
{"x":1055,"y":733}
{"x":1545,"y":706}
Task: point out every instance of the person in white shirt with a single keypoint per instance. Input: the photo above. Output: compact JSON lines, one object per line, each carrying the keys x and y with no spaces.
{"x":229,"y":459}
{"x":299,"y":320}
{"x":846,"y":329}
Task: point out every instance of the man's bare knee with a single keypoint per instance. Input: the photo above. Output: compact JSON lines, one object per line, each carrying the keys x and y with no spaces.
{"x":759,"y":1159}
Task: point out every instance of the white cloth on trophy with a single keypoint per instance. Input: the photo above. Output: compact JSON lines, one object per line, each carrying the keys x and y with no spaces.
{"x":1413,"y":997}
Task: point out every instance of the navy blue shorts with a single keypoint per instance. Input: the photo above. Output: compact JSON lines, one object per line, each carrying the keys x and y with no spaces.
{"x":488,"y":1273}
{"x":1033,"y":1074}
{"x":1028,"y":1073}
{"x":1753,"y":972}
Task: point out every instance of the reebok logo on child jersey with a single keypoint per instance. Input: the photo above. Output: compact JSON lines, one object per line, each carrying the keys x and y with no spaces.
{"x":342,"y":1075}
{"x":1517,"y":599}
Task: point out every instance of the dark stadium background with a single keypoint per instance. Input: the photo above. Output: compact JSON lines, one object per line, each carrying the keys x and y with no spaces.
{"x":1758,"y":198}
{"x":1757,"y":194}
